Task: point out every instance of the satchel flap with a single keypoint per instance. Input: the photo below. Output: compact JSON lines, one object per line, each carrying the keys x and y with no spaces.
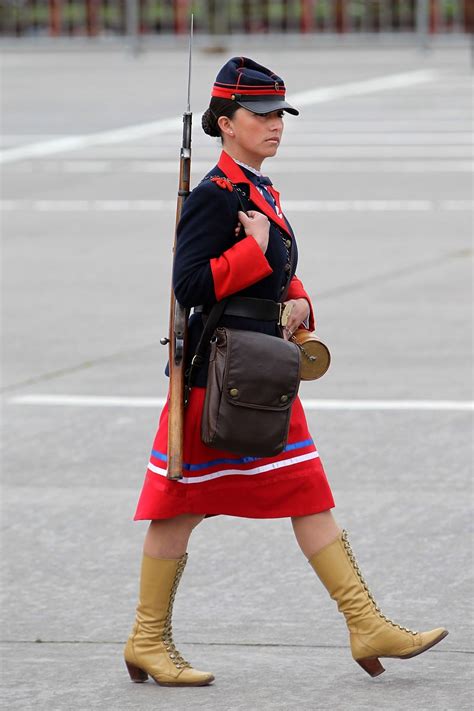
{"x":261,"y":371}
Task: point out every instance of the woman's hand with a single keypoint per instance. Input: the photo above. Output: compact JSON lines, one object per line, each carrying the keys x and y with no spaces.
{"x":257,"y":225}
{"x":299,"y":313}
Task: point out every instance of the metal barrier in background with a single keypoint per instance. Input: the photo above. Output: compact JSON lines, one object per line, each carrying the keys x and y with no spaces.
{"x":221,"y":17}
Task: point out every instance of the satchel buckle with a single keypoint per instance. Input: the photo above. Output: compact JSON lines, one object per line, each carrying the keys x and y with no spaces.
{"x":285,"y":311}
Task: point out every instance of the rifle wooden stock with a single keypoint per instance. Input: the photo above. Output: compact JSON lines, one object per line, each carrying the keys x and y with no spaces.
{"x":178,"y":327}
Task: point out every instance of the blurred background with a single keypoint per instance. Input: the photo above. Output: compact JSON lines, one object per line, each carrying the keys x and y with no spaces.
{"x":376,"y":179}
{"x":164,"y":17}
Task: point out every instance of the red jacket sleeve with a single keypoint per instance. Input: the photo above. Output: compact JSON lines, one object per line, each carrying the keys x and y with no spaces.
{"x":239,"y":267}
{"x":297,"y":291}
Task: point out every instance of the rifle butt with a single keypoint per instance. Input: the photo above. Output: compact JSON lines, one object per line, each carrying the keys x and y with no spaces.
{"x":178,"y":321}
{"x":175,"y":429}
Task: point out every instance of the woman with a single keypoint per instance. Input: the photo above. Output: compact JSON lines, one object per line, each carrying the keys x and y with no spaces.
{"x":223,"y":251}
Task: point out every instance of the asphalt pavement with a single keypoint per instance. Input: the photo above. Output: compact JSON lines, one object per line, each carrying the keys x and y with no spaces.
{"x":375,"y":179}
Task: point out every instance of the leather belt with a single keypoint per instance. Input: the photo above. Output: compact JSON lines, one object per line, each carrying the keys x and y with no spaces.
{"x":246,"y":307}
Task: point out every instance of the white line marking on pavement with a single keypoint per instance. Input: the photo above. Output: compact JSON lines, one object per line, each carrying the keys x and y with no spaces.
{"x":320,"y":166}
{"x":87,"y":400}
{"x":457,"y":205}
{"x":309,"y":404}
{"x":365,"y":86}
{"x":375,"y":151}
{"x":358,"y":205}
{"x":428,"y":405}
{"x":378,"y":138}
{"x":200,"y":167}
{"x":414,"y":124}
{"x":88,"y":205}
{"x":288,"y":205}
{"x":134,"y":132}
{"x":75,"y":143}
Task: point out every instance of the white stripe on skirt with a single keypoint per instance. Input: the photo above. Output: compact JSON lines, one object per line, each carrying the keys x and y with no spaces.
{"x":244,"y":472}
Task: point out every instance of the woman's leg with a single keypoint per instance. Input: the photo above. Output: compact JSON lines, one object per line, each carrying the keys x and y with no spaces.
{"x":150,"y":650}
{"x":168,"y":538}
{"x":315,"y":531}
{"x":372,"y":635}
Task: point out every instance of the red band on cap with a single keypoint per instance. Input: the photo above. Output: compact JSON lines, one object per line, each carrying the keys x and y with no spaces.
{"x":224,"y":93}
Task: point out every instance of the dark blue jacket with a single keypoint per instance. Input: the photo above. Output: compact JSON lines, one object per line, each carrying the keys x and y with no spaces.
{"x":211,"y":263}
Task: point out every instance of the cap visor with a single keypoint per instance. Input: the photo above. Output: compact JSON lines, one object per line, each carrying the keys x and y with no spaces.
{"x":266,"y":107}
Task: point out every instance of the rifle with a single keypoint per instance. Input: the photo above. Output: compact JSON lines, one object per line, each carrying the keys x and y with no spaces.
{"x":179,"y":315}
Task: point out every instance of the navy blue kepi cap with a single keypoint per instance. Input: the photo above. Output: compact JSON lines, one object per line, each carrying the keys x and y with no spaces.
{"x":251,"y":86}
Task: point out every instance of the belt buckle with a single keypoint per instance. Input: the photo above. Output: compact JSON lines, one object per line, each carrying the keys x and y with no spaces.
{"x":285,"y":311}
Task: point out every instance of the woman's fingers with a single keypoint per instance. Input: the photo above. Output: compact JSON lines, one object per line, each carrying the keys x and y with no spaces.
{"x":257,"y":225}
{"x":251,"y":216}
{"x":298,"y":314}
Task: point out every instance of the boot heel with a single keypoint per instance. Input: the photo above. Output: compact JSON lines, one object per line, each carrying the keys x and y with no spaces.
{"x":136,"y":674}
{"x":372,"y":666}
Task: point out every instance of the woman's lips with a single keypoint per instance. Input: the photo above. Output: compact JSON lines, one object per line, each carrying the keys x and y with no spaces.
{"x":273,"y":140}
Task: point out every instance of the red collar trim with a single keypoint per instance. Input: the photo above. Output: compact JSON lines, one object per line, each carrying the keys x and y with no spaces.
{"x":233,"y":171}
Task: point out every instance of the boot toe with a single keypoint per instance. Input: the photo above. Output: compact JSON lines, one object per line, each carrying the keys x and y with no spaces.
{"x":191,"y":677}
{"x":428,"y":640}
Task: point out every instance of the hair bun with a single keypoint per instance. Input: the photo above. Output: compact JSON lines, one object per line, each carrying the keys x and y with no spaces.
{"x":209,"y":124}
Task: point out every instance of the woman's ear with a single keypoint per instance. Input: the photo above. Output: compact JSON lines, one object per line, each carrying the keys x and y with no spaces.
{"x":225,"y":125}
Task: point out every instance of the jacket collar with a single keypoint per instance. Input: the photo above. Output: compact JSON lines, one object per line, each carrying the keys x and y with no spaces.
{"x":235,"y":173}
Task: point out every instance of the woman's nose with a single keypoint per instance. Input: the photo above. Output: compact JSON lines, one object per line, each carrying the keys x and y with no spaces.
{"x":276,"y":123}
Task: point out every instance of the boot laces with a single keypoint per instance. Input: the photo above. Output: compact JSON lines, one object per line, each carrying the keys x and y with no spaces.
{"x":176,"y":657}
{"x":358,"y":571}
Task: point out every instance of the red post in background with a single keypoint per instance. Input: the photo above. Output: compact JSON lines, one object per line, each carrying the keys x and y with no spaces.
{"x":306,"y":22}
{"x":468,"y":16}
{"x":143,"y":28}
{"x":434,"y":17}
{"x":92,"y":17}
{"x":54,"y":17}
{"x":340,"y":15}
{"x":181,"y":16}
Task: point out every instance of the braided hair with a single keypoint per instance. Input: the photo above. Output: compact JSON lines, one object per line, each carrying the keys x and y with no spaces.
{"x":217,"y":107}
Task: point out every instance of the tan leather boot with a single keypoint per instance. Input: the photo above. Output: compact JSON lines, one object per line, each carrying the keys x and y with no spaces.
{"x":372,"y":635}
{"x":150,"y":648}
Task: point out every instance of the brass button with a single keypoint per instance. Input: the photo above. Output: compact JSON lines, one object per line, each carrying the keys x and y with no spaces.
{"x":288,"y":243}
{"x":233,"y":392}
{"x":284,"y":398}
{"x":287,"y":267}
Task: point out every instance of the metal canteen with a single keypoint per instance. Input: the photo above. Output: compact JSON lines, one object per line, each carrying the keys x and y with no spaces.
{"x":315,"y":356}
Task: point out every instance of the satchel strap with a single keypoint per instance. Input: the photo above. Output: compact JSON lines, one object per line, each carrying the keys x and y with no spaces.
{"x":217,"y":311}
{"x":199,"y":357}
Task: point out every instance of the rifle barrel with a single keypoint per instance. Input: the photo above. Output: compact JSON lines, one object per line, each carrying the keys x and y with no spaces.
{"x":178,"y":314}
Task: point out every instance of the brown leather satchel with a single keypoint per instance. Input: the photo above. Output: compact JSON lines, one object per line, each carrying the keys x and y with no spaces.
{"x":253,"y":380}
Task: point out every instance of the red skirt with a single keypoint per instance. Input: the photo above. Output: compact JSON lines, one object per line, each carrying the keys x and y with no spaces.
{"x":293,"y":483}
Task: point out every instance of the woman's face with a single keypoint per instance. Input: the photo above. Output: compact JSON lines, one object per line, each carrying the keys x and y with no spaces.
{"x":253,"y":137}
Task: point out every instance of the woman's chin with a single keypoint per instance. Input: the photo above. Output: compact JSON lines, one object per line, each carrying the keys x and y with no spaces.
{"x":271,"y":149}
